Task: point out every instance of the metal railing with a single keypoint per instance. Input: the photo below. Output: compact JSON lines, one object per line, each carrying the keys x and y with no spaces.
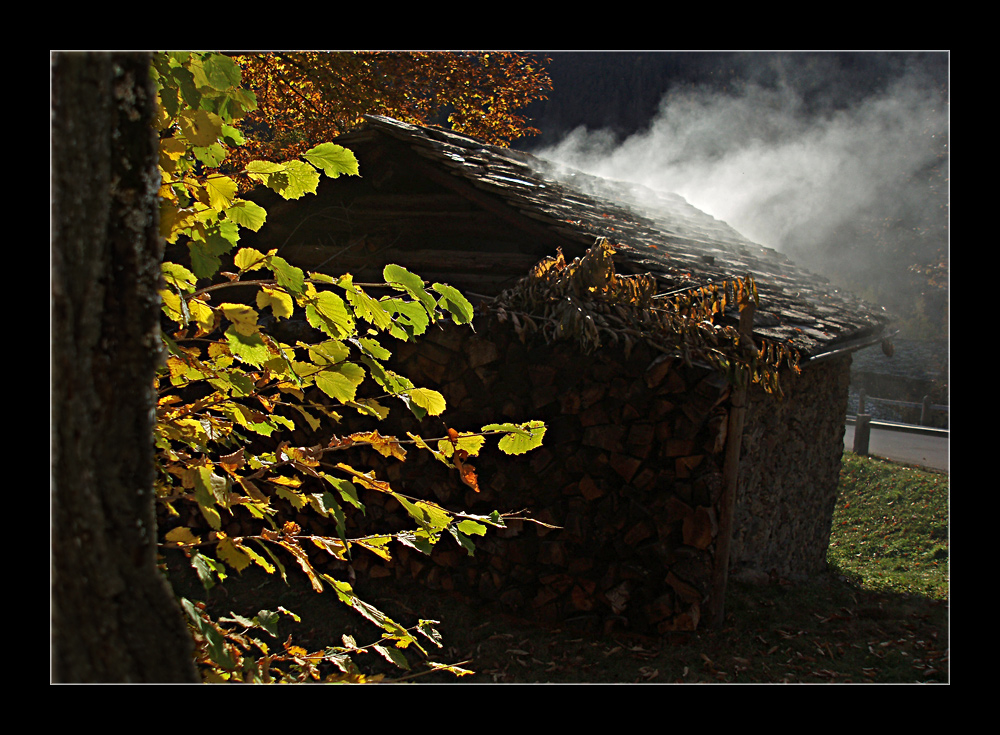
{"x":925,"y":406}
{"x":863,"y":419}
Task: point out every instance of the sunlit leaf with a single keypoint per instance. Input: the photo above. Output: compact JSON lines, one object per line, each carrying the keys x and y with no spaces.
{"x":249,"y":348}
{"x":201,"y":128}
{"x":455,"y":303}
{"x":279,"y":301}
{"x":233,"y":554}
{"x":182,"y":536}
{"x":243,"y":317}
{"x":248,"y":259}
{"x":400,"y":278}
{"x":178,"y":276}
{"x":333,"y":159}
{"x":429,"y":400}
{"x":341,"y":381}
{"x":387,"y":446}
{"x":328,"y":313}
{"x":378,"y":545}
{"x":287,"y":275}
{"x":247,"y":214}
{"x":519,"y":438}
{"x":464,"y":441}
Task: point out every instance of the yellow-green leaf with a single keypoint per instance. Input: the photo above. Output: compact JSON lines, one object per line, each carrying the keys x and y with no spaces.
{"x":367,"y":308}
{"x":178,"y":276}
{"x":328,"y":352}
{"x":279,"y":301}
{"x":341,"y":381}
{"x":468,"y":526}
{"x":182,"y":536}
{"x":400,"y":278}
{"x":327,"y":312}
{"x":247,"y":214}
{"x":247,"y":347}
{"x":201,"y":128}
{"x":286,"y":274}
{"x":258,"y":559}
{"x":375,"y":544}
{"x":519,"y":438}
{"x":248,"y":259}
{"x":429,"y":400}
{"x":212,"y":516}
{"x":333,"y":159}
{"x":333,"y":546}
{"x":301,"y":179}
{"x":471,"y":443}
{"x":242,"y":316}
{"x":232,"y":554}
{"x":171,"y":305}
{"x":455,"y":302}
{"x":297,"y":500}
{"x":203,"y":315}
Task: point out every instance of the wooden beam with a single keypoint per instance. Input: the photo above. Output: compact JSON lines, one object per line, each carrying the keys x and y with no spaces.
{"x":730,"y":476}
{"x":456,"y":261}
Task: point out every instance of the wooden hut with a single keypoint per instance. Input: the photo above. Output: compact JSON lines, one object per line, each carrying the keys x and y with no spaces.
{"x":658,"y":477}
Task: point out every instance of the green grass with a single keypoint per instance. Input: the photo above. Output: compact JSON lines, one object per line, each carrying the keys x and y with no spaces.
{"x":890,"y":528}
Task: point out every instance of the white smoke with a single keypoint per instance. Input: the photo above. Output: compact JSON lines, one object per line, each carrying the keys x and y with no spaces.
{"x":785,"y":176}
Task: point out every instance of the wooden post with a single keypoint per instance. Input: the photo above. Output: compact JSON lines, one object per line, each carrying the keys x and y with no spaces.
{"x":862,"y":433}
{"x":730,"y":475}
{"x":925,"y":411}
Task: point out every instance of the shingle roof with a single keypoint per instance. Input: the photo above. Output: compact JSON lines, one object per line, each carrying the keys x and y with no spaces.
{"x":652,"y":232}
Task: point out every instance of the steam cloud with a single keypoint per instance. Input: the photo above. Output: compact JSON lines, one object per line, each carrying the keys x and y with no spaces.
{"x":786,"y":172}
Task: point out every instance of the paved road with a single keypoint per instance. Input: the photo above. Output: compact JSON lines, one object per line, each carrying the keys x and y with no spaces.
{"x":904,"y":446}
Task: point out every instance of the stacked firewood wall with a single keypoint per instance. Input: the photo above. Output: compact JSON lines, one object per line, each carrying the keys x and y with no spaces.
{"x":630,"y":472}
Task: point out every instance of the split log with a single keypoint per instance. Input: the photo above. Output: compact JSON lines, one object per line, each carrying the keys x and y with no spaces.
{"x":700,"y":528}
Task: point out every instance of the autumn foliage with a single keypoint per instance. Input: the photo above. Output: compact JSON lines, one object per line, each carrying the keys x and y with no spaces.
{"x":305,"y":98}
{"x":233,"y":400}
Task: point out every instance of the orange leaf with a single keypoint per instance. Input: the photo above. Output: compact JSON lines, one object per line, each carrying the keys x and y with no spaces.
{"x":466,"y":471}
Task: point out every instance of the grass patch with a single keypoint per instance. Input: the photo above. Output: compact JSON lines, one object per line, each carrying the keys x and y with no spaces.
{"x":890,"y":527}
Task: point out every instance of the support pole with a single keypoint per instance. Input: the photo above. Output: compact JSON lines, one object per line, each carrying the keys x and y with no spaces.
{"x":730,"y":475}
{"x":862,"y":433}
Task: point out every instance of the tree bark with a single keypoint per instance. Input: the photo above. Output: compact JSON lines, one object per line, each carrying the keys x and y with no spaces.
{"x":114,"y":617}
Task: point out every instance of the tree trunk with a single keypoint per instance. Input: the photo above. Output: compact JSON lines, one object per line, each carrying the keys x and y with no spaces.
{"x":114,"y":618}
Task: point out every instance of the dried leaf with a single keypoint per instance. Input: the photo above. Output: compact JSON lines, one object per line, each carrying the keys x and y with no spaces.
{"x":466,"y":472}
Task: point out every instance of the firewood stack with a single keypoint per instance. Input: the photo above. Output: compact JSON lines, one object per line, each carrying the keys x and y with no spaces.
{"x":630,"y":474}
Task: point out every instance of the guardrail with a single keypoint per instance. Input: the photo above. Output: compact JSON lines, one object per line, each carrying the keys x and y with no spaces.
{"x":863,"y":425}
{"x":925,"y":406}
{"x":863,"y":422}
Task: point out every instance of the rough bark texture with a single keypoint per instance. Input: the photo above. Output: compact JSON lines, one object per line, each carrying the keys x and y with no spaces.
{"x":114,"y":618}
